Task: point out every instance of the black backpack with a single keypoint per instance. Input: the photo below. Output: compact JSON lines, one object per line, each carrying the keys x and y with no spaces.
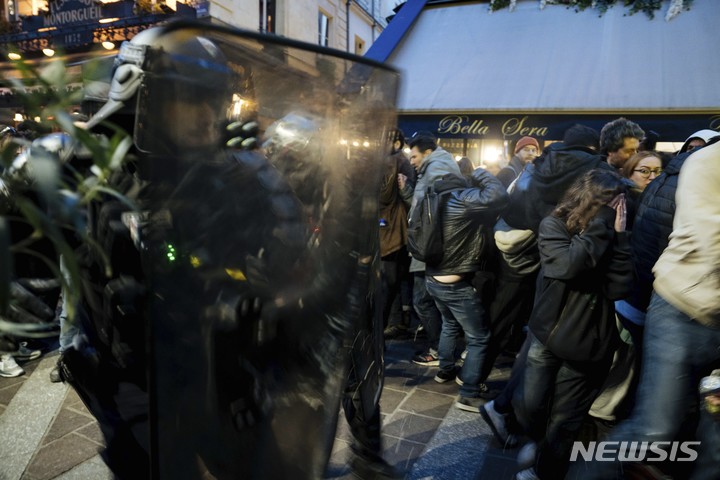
{"x":425,"y":241}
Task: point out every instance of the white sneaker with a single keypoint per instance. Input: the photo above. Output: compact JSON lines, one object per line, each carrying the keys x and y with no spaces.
{"x":526,"y":456}
{"x":9,"y":367}
{"x":25,"y":353}
{"x":527,"y":474}
{"x":496,"y":422}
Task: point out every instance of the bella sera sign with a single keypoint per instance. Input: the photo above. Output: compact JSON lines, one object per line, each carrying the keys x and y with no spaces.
{"x":464,"y":125}
{"x":671,"y":127}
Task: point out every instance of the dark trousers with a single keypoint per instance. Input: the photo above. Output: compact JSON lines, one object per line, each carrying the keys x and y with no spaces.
{"x":395,"y":268}
{"x":552,"y":402}
{"x":509,"y":312}
{"x":677,"y":352}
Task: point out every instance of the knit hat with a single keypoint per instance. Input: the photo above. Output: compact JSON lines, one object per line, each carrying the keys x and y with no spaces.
{"x":524,"y":141}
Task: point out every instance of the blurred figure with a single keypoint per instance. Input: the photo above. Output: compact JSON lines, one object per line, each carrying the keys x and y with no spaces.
{"x":492,"y":167}
{"x":649,"y":141}
{"x":466,"y":166}
{"x":526,"y":150}
{"x":393,"y":238}
{"x":642,"y":168}
{"x":620,"y":140}
{"x":682,"y":330}
{"x":698,"y":139}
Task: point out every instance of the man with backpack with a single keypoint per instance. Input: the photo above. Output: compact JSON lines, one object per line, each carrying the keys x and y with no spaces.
{"x":431,"y":163}
{"x":466,"y":217}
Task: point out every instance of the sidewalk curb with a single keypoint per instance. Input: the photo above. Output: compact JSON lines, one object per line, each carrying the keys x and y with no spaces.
{"x":28,"y":417}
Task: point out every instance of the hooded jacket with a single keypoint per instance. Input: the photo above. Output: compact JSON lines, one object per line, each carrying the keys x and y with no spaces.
{"x":433,"y":167}
{"x":467,"y":220}
{"x":705,"y":135}
{"x":555,"y":170}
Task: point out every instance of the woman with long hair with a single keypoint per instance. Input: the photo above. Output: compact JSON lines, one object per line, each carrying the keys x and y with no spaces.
{"x":585,"y":260}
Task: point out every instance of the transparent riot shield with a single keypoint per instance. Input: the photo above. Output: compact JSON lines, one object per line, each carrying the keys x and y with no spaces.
{"x":259,"y":244}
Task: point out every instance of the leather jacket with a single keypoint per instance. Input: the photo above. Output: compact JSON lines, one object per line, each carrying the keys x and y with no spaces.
{"x":468,"y":218}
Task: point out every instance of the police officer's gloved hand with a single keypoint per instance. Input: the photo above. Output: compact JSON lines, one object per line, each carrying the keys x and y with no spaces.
{"x":27,"y":306}
{"x":242,"y":135}
{"x":29,"y":311}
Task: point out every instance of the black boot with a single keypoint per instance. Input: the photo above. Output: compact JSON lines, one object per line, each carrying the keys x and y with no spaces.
{"x":373,"y":467}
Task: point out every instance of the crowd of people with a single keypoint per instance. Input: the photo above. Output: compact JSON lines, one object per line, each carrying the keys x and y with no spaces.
{"x":593,"y":261}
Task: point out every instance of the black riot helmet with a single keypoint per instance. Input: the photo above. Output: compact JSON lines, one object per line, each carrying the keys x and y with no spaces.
{"x":181,"y":85}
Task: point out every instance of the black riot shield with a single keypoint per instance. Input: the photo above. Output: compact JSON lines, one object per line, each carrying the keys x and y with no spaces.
{"x":259,"y":255}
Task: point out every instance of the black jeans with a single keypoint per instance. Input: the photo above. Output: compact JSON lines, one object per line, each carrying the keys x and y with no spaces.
{"x":554,"y":398}
{"x":395,"y":268}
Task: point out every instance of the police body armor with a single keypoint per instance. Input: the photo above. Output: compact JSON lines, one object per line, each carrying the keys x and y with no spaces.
{"x":221,"y":343}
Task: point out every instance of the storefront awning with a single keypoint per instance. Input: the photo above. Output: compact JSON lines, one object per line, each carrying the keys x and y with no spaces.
{"x":461,"y":58}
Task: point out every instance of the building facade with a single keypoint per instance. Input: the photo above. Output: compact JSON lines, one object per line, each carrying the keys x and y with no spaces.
{"x":481,"y":79}
{"x":76,"y":30}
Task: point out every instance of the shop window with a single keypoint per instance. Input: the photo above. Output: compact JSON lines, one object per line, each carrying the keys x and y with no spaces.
{"x":267,"y":16}
{"x":323,"y":29}
{"x":30,"y":7}
{"x":359,"y":46}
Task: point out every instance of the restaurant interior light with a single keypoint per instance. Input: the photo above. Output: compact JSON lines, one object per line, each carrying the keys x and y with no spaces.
{"x":14,"y":56}
{"x":108,"y":45}
{"x":18,"y":117}
{"x":108,"y":20}
{"x":48,"y":52}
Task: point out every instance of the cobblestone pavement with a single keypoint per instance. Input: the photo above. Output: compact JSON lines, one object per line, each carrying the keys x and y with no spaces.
{"x":49,"y":434}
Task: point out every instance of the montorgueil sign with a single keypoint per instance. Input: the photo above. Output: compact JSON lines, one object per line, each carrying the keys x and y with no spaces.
{"x":72,"y":12}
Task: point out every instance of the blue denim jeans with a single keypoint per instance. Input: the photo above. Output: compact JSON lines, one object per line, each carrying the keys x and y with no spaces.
{"x":426,"y":310}
{"x":68,"y":330}
{"x":677,"y":352}
{"x":462,"y":311}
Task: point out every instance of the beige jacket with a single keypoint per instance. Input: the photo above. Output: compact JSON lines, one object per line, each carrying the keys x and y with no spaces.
{"x":687,"y":274}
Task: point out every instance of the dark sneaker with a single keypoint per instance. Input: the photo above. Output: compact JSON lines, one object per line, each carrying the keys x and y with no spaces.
{"x":429,"y":358}
{"x":375,"y":469}
{"x":444,"y":376}
{"x":25,"y":353}
{"x":396,"y":331}
{"x":496,"y":422}
{"x":470,"y":404}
